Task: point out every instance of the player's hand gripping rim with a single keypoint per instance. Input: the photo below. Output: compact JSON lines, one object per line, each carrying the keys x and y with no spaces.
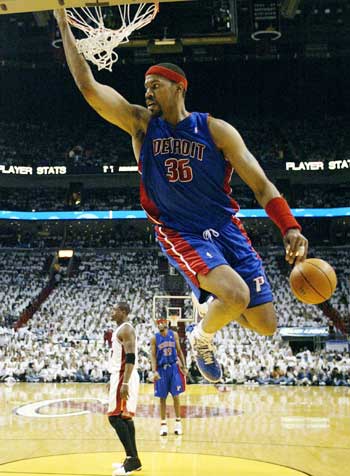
{"x":60,"y":15}
{"x":296,"y":246}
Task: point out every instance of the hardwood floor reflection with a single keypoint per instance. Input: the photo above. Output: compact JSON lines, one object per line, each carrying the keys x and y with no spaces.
{"x":301,"y":430}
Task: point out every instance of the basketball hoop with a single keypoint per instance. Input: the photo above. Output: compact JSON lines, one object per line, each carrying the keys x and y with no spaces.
{"x":100,"y":42}
{"x":163,"y":308}
{"x":272,"y":35}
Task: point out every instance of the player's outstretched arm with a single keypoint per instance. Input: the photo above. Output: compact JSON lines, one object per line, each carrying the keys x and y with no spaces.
{"x":106,"y":101}
{"x":229,"y":141}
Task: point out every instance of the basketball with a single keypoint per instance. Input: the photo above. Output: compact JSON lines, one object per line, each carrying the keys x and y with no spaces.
{"x":313,"y":281}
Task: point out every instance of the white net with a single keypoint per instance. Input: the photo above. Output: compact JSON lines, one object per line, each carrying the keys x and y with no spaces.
{"x":100,"y":42}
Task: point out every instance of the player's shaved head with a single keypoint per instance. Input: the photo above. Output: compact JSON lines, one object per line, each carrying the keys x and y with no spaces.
{"x":123,"y":306}
{"x":173,"y":67}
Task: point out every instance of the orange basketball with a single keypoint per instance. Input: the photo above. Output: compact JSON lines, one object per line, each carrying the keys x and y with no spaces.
{"x":313,"y":281}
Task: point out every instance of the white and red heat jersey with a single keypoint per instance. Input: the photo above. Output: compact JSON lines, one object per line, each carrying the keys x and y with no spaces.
{"x":116,"y":367}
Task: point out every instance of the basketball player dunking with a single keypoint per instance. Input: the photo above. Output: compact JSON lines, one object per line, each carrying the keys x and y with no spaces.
{"x":124,"y":387}
{"x":186,"y":161}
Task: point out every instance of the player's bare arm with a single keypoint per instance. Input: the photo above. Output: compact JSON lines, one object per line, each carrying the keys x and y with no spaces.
{"x":156,"y":375}
{"x":180,"y":353}
{"x":127,"y":336}
{"x":229,"y":141}
{"x":106,"y":101}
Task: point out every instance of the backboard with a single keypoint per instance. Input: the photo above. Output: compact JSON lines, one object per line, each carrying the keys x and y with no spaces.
{"x":173,"y":308}
{"x":20,"y":6}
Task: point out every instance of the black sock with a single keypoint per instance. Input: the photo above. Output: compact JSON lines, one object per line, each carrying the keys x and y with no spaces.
{"x":131,"y":427}
{"x":122,"y":429}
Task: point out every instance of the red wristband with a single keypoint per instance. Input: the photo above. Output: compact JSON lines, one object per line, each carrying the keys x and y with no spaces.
{"x":280,"y":213}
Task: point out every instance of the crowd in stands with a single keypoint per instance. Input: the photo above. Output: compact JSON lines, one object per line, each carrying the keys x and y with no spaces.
{"x":127,"y":198}
{"x":321,"y":196}
{"x":109,"y":234}
{"x":44,"y":144}
{"x":56,"y":199}
{"x":22,"y":278}
{"x":78,"y":234}
{"x":316,"y":139}
{"x":67,"y":339}
{"x":99,"y":143}
{"x":247,"y":358}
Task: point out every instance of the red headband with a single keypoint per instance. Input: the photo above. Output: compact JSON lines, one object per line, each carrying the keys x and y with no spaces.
{"x":169,"y":74}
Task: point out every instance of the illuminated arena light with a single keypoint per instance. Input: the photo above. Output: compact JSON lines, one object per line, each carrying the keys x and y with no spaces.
{"x":140,"y":214}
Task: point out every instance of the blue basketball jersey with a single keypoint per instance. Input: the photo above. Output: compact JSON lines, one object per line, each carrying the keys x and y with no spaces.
{"x":166,"y":348}
{"x":185,"y":179}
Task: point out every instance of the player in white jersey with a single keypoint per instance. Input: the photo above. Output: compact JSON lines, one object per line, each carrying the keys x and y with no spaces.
{"x":124,"y":386}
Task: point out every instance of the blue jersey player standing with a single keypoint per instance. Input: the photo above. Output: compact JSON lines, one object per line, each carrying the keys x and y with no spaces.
{"x":165,"y":354}
{"x":186,"y":161}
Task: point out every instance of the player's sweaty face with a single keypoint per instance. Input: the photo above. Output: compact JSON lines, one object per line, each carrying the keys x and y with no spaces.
{"x":158,"y":94}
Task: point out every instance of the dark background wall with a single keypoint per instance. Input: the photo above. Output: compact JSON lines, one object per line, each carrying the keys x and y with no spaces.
{"x":282,"y":88}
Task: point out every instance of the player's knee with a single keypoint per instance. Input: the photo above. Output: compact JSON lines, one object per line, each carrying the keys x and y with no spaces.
{"x":115,"y":421}
{"x":243,"y":297}
{"x":236,"y":297}
{"x":268,"y":327}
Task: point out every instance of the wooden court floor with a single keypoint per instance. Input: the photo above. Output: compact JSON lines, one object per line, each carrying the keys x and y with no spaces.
{"x":61,"y":429}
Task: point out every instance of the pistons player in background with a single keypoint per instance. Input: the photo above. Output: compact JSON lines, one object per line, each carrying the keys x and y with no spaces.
{"x":124,"y":388}
{"x":166,"y":353}
{"x":186,"y":160}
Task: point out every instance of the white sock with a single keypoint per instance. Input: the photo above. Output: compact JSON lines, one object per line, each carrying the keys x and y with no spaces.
{"x":201,"y":333}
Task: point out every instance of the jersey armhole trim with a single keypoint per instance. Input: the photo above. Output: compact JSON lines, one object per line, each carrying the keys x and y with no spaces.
{"x":121,"y":325}
{"x":211,"y":138}
{"x":143,"y":143}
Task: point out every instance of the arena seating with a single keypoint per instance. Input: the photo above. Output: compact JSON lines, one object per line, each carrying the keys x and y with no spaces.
{"x":66,"y":338}
{"x":47,"y":199}
{"x":93,"y":144}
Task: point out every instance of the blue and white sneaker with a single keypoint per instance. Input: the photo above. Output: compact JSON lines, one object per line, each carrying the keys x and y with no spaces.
{"x":203,"y":350}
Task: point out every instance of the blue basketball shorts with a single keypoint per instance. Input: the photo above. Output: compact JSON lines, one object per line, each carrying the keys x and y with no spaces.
{"x":171,"y":381}
{"x":192,"y":254}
